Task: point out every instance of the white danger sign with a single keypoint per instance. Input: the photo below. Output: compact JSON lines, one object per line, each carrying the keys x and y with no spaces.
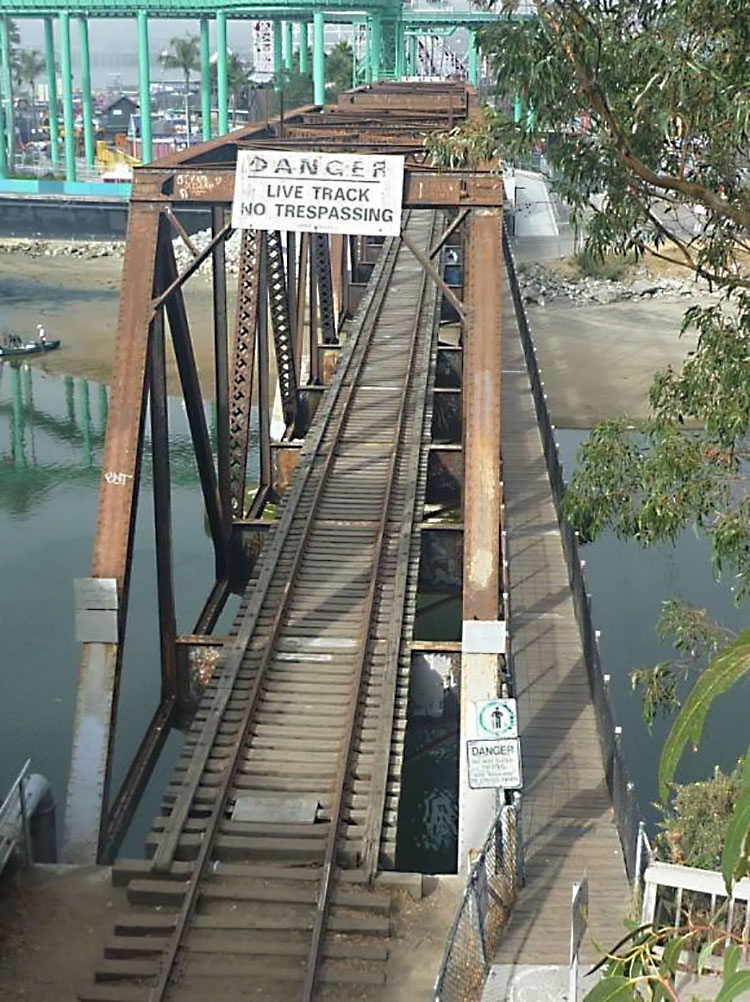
{"x":497,"y":718}
{"x":319,"y":192}
{"x":494,"y":763}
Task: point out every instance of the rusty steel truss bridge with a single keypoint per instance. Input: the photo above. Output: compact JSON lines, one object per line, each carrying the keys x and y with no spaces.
{"x":387,"y":368}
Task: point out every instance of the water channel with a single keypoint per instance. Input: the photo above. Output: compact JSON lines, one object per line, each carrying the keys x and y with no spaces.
{"x":51,"y":434}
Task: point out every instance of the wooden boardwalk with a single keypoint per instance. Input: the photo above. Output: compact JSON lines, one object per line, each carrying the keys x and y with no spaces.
{"x":567,"y":817}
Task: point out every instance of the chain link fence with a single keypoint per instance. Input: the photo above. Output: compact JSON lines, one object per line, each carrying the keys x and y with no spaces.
{"x":488,"y":900}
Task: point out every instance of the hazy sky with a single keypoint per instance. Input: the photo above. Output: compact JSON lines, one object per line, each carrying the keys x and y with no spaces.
{"x":112,"y":44}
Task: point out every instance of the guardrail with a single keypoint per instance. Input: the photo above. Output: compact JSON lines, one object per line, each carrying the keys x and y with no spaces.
{"x":14,"y":807}
{"x":681,"y":896}
{"x":488,"y":900}
{"x":622,"y":788}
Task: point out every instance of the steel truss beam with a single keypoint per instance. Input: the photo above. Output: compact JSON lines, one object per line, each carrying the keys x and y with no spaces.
{"x":243,"y":366}
{"x":281,"y":324}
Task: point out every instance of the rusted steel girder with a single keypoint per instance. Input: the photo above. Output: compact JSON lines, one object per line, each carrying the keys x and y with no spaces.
{"x":424,"y":188}
{"x":281,"y":325}
{"x":321,"y":249}
{"x":243,"y":366}
{"x":483,"y":635}
{"x":100,"y":662}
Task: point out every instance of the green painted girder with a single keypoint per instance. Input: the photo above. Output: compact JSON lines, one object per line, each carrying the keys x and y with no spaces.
{"x":335,"y":10}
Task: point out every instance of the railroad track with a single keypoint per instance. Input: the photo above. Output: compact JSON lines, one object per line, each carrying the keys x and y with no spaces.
{"x":259,"y":884}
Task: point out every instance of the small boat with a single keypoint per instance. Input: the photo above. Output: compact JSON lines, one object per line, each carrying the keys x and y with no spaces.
{"x":8,"y":350}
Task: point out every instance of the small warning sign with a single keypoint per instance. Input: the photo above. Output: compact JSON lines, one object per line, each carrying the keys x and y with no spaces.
{"x":495,"y":764}
{"x":318,"y":192}
{"x":497,"y":718}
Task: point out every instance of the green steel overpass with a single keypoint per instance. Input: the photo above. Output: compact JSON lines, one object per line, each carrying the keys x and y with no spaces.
{"x":390,"y":35}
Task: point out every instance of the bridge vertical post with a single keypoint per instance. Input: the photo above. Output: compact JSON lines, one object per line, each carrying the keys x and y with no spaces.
{"x":376,"y":45}
{"x":3,"y":142}
{"x":319,"y":56}
{"x":483,"y":638}
{"x":69,"y":138}
{"x":101,"y":655}
{"x":473,"y":59}
{"x":162,"y":507}
{"x":144,"y":87}
{"x":205,"y":50}
{"x":221,"y":366}
{"x":264,"y":400}
{"x":277,"y":55}
{"x":304,"y":63}
{"x":6,"y":91}
{"x":49,"y":62}
{"x":400,"y":50}
{"x":221,"y":72}
{"x":288,"y":46}
{"x":411,"y":58}
{"x":87,"y":109}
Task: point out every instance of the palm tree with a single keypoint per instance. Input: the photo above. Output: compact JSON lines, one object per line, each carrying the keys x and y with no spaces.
{"x":185,"y":56}
{"x":30,"y":66}
{"x":237,"y":81}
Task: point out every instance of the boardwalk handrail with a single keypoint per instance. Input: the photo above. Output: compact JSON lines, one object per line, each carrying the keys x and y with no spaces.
{"x":621,"y":787}
{"x":488,"y":899}
{"x":12,"y":811}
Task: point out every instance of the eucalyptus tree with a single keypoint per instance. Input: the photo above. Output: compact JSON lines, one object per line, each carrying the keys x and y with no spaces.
{"x":185,"y":56}
{"x":644,"y":107}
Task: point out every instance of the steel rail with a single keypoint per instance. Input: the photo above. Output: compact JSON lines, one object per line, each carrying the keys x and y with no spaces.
{"x":342,"y":771}
{"x":158,"y":991}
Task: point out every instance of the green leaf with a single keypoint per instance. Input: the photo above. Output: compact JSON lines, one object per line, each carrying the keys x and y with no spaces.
{"x":707,"y":951}
{"x":721,"y":674}
{"x":733,"y":986}
{"x":731,"y":959}
{"x":735,"y":843}
{"x":615,"y":989}
{"x":671,"y":954}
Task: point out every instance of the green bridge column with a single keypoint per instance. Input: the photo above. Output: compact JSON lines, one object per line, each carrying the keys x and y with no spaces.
{"x":376,"y":46}
{"x":49,"y":61}
{"x":3,"y":143}
{"x":304,"y":65}
{"x":6,"y":91}
{"x":319,"y":57}
{"x":88,"y":109}
{"x":411,"y":55}
{"x":205,"y":80}
{"x":277,"y":55}
{"x":400,"y":50}
{"x":144,"y":87}
{"x":288,"y":46}
{"x":517,"y":108}
{"x":221,"y":71}
{"x":69,"y":138}
{"x":473,"y":59}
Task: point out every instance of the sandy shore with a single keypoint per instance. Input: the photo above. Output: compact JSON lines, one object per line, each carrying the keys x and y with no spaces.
{"x":77,"y":301}
{"x":598,"y":361}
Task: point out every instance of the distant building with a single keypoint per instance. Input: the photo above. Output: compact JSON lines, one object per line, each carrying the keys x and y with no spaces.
{"x":115,"y":117}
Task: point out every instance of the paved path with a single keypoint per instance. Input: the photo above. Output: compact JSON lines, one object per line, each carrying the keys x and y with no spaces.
{"x":568,"y":821}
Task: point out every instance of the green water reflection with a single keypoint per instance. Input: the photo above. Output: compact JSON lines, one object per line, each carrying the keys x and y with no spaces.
{"x":51,"y":438}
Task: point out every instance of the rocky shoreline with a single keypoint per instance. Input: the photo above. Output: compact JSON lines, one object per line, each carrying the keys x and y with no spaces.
{"x":541,"y":285}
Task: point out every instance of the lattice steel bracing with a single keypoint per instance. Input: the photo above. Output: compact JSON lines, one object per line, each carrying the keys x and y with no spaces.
{"x":281,"y":322}
{"x":321,"y":249}
{"x":243,"y":363}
